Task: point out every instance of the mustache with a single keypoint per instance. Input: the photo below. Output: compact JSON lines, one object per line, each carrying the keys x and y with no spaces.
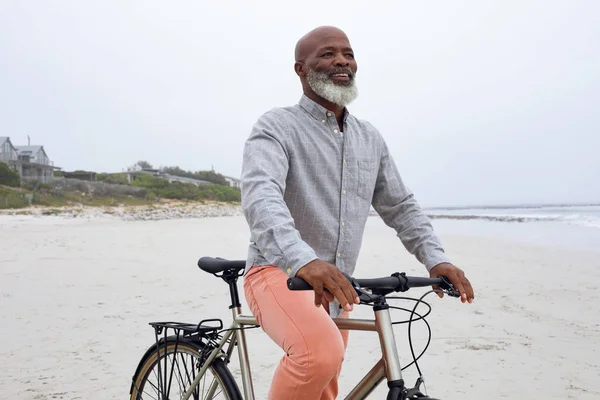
{"x":341,"y":70}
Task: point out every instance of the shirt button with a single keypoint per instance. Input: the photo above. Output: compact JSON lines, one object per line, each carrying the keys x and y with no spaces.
{"x":339,"y":254}
{"x":329,"y":114}
{"x":289,"y":270}
{"x":344,"y":191}
{"x":335,"y":131}
{"x":343,"y":223}
{"x":323,"y":121}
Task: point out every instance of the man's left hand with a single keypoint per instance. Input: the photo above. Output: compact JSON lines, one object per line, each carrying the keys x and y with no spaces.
{"x":457,"y":278}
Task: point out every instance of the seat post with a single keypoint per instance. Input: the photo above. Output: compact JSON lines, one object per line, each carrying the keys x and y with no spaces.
{"x":231,"y":277}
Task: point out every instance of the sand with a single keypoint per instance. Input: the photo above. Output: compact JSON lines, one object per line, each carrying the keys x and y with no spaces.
{"x":76,"y":296}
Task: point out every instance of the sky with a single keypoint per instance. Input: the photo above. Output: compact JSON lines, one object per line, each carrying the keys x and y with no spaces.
{"x":480,"y":102}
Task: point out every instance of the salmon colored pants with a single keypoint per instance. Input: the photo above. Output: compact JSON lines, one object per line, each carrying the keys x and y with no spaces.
{"x":314,"y":346}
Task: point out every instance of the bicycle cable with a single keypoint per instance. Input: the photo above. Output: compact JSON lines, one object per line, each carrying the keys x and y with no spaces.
{"x":217,"y":335}
{"x":412,"y":351}
{"x":410,"y":320}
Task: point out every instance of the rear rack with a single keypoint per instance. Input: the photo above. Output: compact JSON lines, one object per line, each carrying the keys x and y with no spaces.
{"x":203,"y":329}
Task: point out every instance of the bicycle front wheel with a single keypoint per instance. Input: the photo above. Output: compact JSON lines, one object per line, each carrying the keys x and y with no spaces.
{"x":167,"y":372}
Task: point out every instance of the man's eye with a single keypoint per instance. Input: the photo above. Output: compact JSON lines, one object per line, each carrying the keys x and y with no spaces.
{"x":350,"y":56}
{"x":328,"y":54}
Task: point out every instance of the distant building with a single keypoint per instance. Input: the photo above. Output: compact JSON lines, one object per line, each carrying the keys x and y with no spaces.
{"x":31,"y":162}
{"x":233,"y":182}
{"x":175,"y":178}
{"x":81,"y":175}
{"x":7,"y":150}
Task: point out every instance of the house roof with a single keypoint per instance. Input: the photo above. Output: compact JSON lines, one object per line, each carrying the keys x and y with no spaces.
{"x":28,"y":149}
{"x":3,"y":139}
{"x":186,"y":179}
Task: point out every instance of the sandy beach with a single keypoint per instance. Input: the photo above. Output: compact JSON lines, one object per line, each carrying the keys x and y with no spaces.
{"x":76,"y":296}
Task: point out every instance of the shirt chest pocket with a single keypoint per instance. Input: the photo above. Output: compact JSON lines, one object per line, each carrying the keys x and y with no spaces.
{"x":367,"y":175}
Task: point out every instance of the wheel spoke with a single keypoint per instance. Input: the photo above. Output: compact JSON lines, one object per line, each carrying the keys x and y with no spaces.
{"x":180,"y":380}
{"x":213,"y":386}
{"x":157,"y":392}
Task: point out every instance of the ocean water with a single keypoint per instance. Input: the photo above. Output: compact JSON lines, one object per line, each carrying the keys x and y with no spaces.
{"x":581,"y":215}
{"x":575,"y":226}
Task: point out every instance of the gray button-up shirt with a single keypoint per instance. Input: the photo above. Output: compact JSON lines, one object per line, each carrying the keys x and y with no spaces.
{"x":307,"y":190}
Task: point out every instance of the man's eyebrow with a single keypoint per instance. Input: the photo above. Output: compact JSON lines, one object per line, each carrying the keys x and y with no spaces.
{"x":322,"y":49}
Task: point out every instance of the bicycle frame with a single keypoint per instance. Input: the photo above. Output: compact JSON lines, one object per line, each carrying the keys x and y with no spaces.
{"x":387,"y":367}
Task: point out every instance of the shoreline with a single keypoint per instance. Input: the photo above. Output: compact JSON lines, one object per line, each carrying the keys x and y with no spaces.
{"x":151,"y":212}
{"x":178,"y":210}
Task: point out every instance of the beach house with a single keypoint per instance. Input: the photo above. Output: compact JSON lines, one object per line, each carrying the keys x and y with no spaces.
{"x":233,"y":182}
{"x":31,"y":162}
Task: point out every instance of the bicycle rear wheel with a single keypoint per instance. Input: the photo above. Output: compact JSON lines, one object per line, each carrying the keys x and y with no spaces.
{"x":167,"y":375}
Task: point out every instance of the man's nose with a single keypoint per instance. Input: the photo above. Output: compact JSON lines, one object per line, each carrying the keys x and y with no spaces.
{"x":341,"y":60}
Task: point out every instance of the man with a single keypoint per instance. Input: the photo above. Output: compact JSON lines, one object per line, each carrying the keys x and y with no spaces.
{"x":310,"y":174}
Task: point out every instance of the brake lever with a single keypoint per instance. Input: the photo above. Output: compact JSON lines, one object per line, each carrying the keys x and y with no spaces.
{"x":363,"y":295}
{"x":449,"y":288}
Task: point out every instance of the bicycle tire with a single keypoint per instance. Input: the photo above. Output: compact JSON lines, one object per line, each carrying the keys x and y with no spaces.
{"x":219,"y":370}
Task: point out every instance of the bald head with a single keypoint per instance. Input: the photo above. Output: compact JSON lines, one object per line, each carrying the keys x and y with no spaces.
{"x":316,"y":38}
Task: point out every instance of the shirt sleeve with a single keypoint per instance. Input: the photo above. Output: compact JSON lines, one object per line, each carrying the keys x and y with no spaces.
{"x":264,"y":172}
{"x":399,"y":209}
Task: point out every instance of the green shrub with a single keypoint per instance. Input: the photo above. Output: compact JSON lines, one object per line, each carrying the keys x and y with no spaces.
{"x":152,"y":189}
{"x":9,"y":176}
{"x":186,"y":191}
{"x":209,"y":176}
{"x":118,"y":178}
{"x":12,"y":199}
{"x":221,"y":193}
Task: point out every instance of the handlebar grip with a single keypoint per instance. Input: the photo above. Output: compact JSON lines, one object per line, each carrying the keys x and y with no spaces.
{"x":298,"y":284}
{"x":418,"y":281}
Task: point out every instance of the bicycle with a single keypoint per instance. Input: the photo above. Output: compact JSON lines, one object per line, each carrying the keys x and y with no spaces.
{"x":209,"y":347}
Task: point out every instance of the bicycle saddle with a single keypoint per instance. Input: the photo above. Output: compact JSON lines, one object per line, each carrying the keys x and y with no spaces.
{"x":216,"y":265}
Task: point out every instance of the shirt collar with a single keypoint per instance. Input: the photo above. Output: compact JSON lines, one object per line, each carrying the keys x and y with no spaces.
{"x":318,"y":111}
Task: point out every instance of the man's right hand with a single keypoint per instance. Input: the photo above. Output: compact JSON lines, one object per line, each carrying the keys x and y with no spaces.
{"x":322,"y":275}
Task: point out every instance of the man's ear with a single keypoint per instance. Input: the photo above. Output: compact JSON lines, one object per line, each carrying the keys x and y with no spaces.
{"x":300,"y":69}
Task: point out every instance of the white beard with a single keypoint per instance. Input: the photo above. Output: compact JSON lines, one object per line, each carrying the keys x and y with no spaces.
{"x":324,"y":87}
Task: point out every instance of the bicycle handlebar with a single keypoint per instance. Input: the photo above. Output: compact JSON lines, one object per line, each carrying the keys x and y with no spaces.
{"x":398,"y":282}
